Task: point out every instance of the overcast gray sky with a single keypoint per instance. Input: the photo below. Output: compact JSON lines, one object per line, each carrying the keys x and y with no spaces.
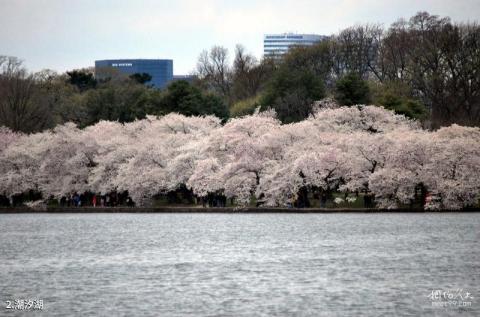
{"x":68,"y":34}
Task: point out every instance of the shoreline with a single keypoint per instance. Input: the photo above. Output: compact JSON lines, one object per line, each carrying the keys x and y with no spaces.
{"x":238,"y":210}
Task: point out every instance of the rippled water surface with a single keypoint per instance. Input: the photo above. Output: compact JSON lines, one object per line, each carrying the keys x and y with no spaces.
{"x":239,"y":264}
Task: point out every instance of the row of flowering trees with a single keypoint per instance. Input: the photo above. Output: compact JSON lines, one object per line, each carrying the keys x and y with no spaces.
{"x":351,"y":149}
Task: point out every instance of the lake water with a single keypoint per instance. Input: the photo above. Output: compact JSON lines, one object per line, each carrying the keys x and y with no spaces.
{"x":241,"y":264}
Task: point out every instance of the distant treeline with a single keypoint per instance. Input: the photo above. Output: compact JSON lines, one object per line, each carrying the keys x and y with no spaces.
{"x":427,"y":68}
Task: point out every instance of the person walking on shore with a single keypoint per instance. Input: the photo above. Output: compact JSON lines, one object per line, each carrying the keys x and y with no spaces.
{"x":94,"y":200}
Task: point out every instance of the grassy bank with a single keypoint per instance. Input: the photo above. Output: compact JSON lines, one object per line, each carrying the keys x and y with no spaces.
{"x":200,"y":209}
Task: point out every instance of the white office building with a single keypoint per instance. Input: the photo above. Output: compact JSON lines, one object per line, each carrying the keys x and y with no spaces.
{"x":279,"y":44}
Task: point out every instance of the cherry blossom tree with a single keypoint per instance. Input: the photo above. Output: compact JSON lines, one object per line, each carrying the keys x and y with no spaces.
{"x":54,"y":163}
{"x":206,"y":177}
{"x":337,"y":148}
{"x":164,"y":155}
{"x":20,"y":162}
{"x":7,"y":137}
{"x":351,"y":149}
{"x":452,"y":169}
{"x":65,"y":162}
{"x":237,"y":153}
{"x":371,"y":119}
{"x":115,"y":145}
{"x":396,"y":180}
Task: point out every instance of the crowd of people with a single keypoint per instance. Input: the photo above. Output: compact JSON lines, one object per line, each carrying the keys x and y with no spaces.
{"x":113,"y":199}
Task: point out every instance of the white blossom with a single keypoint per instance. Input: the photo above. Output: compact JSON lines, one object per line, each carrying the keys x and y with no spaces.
{"x":361,"y":149}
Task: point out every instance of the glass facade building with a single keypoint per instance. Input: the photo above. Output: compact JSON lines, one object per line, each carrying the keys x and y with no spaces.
{"x":279,"y":44}
{"x":161,"y":70}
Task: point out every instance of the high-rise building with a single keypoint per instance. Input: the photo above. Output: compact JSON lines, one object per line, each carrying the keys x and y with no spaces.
{"x":161,"y":70}
{"x":279,"y":44}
